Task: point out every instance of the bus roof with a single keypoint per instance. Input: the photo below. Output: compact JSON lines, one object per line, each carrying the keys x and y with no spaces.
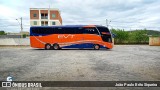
{"x":71,"y":26}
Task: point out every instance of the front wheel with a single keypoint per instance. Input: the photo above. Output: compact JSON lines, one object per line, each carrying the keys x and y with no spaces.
{"x":56,"y":46}
{"x":96,"y":47}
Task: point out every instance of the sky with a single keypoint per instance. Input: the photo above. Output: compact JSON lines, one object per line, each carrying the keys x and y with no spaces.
{"x":120,"y":14}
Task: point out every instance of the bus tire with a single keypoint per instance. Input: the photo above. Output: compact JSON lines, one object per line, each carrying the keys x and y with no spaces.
{"x":56,"y":46}
{"x":48,"y":46}
{"x":96,"y":47}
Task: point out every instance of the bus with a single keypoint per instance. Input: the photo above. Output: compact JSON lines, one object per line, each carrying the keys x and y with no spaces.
{"x":70,"y":36}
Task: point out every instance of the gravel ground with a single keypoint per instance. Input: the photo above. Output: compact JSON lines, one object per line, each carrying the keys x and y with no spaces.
{"x":122,"y":63}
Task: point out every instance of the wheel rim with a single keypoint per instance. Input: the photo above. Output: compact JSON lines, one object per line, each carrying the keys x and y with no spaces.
{"x":96,"y":47}
{"x":48,"y":46}
{"x":56,"y":47}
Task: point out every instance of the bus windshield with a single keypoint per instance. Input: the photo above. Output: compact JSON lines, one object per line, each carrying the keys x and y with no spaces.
{"x":103,"y":29}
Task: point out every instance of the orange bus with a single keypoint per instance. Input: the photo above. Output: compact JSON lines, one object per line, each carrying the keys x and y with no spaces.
{"x":70,"y":36}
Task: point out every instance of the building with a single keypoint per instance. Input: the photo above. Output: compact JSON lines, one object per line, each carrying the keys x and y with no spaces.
{"x":45,"y":17}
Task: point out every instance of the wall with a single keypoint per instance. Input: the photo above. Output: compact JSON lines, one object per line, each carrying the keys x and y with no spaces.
{"x":154,"y":41}
{"x":14,"y":41}
{"x":32,"y":12}
{"x":10,"y":36}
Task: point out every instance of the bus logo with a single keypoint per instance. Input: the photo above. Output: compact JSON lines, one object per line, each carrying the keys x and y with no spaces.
{"x":66,"y":36}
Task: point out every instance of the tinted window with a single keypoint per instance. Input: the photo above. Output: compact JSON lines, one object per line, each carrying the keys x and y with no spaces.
{"x":45,"y":30}
{"x":42,"y":30}
{"x":35,"y":30}
{"x":90,"y":31}
{"x":69,"y":30}
{"x":59,"y":30}
{"x":103,"y":29}
{"x":78,"y":30}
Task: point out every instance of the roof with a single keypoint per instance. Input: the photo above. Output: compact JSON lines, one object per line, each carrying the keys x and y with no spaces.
{"x":44,"y":9}
{"x":72,"y":26}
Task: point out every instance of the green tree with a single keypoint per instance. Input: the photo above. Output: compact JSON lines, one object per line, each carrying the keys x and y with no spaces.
{"x":2,"y":33}
{"x":121,"y":35}
{"x":24,"y":35}
{"x":139,"y":37}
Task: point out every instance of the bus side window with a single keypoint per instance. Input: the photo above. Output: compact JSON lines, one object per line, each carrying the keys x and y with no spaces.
{"x":58,"y":30}
{"x":90,"y":31}
{"x":35,"y":30}
{"x":69,"y":30}
{"x":46,"y":30}
{"x":78,"y":30}
{"x":41,"y":31}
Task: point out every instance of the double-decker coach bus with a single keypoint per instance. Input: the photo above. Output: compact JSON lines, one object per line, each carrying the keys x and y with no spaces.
{"x":70,"y":36}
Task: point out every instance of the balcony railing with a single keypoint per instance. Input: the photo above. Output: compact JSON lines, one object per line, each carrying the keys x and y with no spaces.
{"x":44,"y":17}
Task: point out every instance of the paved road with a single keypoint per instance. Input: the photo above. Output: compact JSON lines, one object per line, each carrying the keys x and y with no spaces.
{"x":123,"y":62}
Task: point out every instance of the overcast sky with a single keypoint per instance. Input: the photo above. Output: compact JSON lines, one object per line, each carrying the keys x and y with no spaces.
{"x":127,"y":14}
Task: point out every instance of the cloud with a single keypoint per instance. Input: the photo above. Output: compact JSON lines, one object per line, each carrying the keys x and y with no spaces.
{"x":127,"y":14}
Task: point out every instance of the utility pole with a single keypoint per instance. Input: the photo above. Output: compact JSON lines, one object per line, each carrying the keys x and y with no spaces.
{"x":107,"y":22}
{"x":21,"y":27}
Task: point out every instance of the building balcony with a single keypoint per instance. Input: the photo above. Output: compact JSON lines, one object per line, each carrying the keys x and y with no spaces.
{"x":44,"y":17}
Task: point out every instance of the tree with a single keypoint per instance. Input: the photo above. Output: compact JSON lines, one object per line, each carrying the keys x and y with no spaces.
{"x":139,"y":36}
{"x":24,"y":35}
{"x":121,"y":35}
{"x":2,"y":33}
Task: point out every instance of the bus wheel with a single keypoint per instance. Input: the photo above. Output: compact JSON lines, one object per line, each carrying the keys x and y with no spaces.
{"x":96,"y":47}
{"x":48,"y":46}
{"x":56,"y":46}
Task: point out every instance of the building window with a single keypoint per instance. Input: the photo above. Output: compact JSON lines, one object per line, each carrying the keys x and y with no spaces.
{"x":35,"y":22}
{"x":53,"y":23}
{"x":44,"y":23}
{"x":44,"y":16}
{"x":53,"y":15}
{"x":34,"y":15}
